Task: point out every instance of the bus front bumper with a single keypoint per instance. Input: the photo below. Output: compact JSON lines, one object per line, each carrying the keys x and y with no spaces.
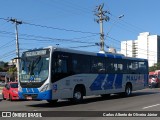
{"x":47,"y":95}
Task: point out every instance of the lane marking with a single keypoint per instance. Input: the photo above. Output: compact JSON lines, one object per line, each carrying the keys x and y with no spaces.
{"x":151,"y":106}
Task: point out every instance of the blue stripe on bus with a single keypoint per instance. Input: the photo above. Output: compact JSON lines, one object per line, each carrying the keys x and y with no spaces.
{"x":110,"y":56}
{"x":30,"y":90}
{"x":47,"y":95}
{"x":118,"y":56}
{"x":109,"y":81}
{"x":100,"y":54}
{"x":96,"y":85}
{"x":118,"y":81}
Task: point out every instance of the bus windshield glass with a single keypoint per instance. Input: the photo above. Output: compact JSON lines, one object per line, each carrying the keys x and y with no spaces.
{"x":34,"y":66}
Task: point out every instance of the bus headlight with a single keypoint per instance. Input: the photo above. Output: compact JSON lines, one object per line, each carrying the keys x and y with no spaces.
{"x":44,"y":88}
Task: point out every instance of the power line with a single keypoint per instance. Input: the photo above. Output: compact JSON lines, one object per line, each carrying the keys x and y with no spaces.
{"x":55,"y":38}
{"x":56,"y":28}
{"x":45,"y":39}
{"x":84,"y":46}
{"x":6,"y":44}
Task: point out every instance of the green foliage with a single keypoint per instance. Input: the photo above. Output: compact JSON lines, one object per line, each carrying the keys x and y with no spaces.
{"x":6,"y":64}
{"x":155,"y":67}
{"x":12,"y":70}
{"x":1,"y":69}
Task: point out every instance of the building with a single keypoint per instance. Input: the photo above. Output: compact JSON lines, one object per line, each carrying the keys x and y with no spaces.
{"x":13,"y":62}
{"x":146,"y":46}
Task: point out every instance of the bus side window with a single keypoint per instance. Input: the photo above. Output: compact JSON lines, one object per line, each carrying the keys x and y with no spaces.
{"x":97,"y":65}
{"x":110,"y":68}
{"x":61,"y":66}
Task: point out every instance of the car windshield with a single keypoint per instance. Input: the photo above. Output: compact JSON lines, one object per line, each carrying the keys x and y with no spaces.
{"x":152,"y":76}
{"x":14,"y":85}
{"x":34,"y":66}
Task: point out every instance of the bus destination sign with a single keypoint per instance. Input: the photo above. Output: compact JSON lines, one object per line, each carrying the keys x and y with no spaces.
{"x":36,"y":53}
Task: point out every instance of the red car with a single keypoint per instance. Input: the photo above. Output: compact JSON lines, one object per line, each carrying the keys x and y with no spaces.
{"x":10,"y":91}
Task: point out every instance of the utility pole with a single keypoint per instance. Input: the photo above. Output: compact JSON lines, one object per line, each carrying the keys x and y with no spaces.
{"x":101,"y":17}
{"x":16,"y":22}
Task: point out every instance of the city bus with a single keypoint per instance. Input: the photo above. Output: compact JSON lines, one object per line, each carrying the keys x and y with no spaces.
{"x":54,"y":73}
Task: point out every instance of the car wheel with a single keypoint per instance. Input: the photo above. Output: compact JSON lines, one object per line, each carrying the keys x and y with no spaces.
{"x":10,"y":98}
{"x":3,"y":97}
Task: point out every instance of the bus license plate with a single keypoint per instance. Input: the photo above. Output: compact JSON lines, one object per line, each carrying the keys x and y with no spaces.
{"x":29,"y":98}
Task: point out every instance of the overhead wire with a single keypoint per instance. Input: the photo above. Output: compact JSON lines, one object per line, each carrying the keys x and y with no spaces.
{"x":68,"y":30}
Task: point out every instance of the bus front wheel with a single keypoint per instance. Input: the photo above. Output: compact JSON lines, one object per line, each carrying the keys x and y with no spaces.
{"x":77,"y":96}
{"x":52,"y":101}
{"x":128,"y":90}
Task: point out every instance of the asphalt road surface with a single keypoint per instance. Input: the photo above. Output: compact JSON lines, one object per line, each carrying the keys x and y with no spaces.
{"x":143,"y":100}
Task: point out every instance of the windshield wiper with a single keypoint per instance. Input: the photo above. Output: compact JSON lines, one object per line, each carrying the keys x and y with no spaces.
{"x":33,"y":65}
{"x":40,"y":67}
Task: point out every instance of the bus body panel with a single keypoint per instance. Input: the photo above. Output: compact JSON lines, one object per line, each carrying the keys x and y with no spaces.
{"x":94,"y":83}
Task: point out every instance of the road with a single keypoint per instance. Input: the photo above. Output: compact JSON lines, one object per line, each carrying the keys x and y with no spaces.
{"x":143,"y":100}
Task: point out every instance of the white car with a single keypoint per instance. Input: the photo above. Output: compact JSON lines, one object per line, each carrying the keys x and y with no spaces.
{"x":2,"y":83}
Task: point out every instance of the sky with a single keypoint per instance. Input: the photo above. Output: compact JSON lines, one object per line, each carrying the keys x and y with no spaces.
{"x":71,"y":23}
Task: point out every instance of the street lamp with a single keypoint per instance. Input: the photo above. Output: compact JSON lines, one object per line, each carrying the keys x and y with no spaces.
{"x":121,"y":16}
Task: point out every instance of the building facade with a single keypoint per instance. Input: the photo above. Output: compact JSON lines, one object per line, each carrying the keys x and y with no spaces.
{"x":146,"y":46}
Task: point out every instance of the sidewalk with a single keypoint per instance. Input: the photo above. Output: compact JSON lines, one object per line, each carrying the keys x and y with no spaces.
{"x":1,"y":90}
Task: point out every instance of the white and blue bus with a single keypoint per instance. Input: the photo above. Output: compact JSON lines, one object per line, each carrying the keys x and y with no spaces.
{"x":54,"y":73}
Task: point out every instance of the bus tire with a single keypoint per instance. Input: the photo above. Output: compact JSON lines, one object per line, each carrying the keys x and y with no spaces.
{"x":77,"y":96}
{"x":128,"y":90}
{"x":52,"y":101}
{"x":105,"y":95}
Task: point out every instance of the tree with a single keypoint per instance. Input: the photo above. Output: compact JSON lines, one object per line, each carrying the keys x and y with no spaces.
{"x":1,"y":69}
{"x":155,"y":67}
{"x":12,"y":72}
{"x":6,"y":64}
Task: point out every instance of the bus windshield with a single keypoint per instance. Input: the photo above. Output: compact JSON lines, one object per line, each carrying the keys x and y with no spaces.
{"x":34,"y":66}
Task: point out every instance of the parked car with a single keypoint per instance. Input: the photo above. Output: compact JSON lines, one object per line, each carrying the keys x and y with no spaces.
{"x":10,"y":91}
{"x":153,"y":81}
{"x":157,"y":73}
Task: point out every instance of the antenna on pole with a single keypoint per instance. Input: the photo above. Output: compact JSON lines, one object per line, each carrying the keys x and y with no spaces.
{"x":101,"y":17}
